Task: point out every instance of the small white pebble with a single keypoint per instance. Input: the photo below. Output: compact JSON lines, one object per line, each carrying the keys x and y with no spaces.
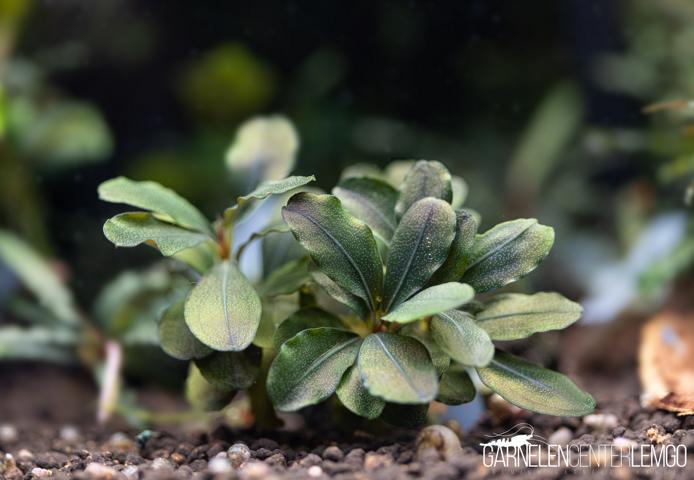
{"x":220,"y":464}
{"x":69,"y":433}
{"x":25,"y":454}
{"x":8,"y":433}
{"x":130,"y":472}
{"x":161,"y":463}
{"x":624,"y":444}
{"x":315,"y":471}
{"x":100,"y":471}
{"x":561,"y":437}
{"x":255,"y":471}
{"x":41,"y":472}
{"x":603,"y":421}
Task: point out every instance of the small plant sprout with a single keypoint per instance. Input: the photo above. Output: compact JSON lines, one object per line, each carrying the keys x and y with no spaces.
{"x":225,"y":319}
{"x":396,"y":323}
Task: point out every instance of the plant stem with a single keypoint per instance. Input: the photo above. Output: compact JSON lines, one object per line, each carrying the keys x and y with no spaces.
{"x":110,"y":380}
{"x":262,"y":408}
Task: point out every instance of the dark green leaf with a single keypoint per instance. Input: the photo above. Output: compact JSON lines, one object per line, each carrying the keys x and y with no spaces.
{"x":135,"y":228}
{"x":514,"y":316}
{"x":356,"y":398}
{"x":424,"y":179}
{"x":336,"y":292}
{"x":342,"y":246}
{"x":176,"y":338}
{"x":418,"y":248}
{"x":461,"y":338}
{"x":223,"y":310}
{"x":438,"y":298}
{"x":506,"y":253}
{"x":202,"y":395}
{"x":309,"y":367}
{"x":264,"y":190}
{"x":454,"y":267}
{"x":231,"y":370}
{"x":397,"y":368}
{"x":455,"y":386}
{"x":532,"y":387}
{"x":166,"y":204}
{"x":303,"y":320}
{"x":286,"y":279}
{"x":421,"y":331}
{"x":372,"y":201}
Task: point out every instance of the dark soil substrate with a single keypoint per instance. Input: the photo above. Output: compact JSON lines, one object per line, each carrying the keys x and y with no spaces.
{"x":43,"y":446}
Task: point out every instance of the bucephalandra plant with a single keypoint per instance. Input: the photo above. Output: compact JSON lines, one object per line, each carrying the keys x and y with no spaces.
{"x":408,"y":263}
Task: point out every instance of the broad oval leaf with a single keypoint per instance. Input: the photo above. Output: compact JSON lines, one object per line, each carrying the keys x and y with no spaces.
{"x":535,"y":388}
{"x":514,"y":316}
{"x":342,"y":246}
{"x":223,"y":310}
{"x":372,"y":201}
{"x":175,"y":338}
{"x":154,"y":197}
{"x":454,"y":267}
{"x":433,"y":300}
{"x":424,"y":179}
{"x":231,"y":370}
{"x":461,"y":338}
{"x":134,"y":228}
{"x":455,"y":386}
{"x":418,"y":248}
{"x":339,"y":294}
{"x":507,"y":252}
{"x":356,"y":398}
{"x":303,"y":320}
{"x":265,"y":189}
{"x":202,"y":395}
{"x":421,"y":331}
{"x":397,"y":368}
{"x":309,"y":367}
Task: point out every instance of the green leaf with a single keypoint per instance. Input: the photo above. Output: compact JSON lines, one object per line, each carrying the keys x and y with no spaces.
{"x":418,"y":248}
{"x":201,"y":257}
{"x":454,"y":267}
{"x":397,"y":368}
{"x":264,"y":190}
{"x":303,"y":320}
{"x":202,"y":395}
{"x":461,"y":338}
{"x":372,"y":201}
{"x":134,"y":228}
{"x":269,"y":230}
{"x":223,"y":310}
{"x":286,"y":279}
{"x":506,"y":253}
{"x":356,"y":398}
{"x":275,"y":311}
{"x":166,"y":204}
{"x":38,"y":343}
{"x":424,"y":179}
{"x":460,"y":191}
{"x":455,"y":386}
{"x":336,"y":292}
{"x":309,"y":367}
{"x":176,"y":338}
{"x":231,"y":370}
{"x":39,"y":277}
{"x":438,"y":298}
{"x":342,"y":246}
{"x":532,"y":387}
{"x":420,"y":330}
{"x":279,"y":249}
{"x":514,"y":316}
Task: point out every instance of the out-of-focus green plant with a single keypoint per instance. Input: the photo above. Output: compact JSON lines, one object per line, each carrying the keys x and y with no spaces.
{"x":405,"y":265}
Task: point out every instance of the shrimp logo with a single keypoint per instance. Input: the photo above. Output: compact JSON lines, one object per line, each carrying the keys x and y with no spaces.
{"x":514,"y":437}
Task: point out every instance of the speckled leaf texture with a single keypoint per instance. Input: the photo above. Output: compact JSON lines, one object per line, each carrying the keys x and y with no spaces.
{"x":356,"y":304}
{"x":424,"y":179}
{"x":455,"y":386}
{"x":430,"y":301}
{"x":202,"y":395}
{"x":223,"y":310}
{"x":176,"y":338}
{"x":310,"y":366}
{"x":372,"y":201}
{"x":303,"y":320}
{"x":465,"y":231}
{"x":356,"y":398}
{"x":231,"y":370}
{"x":419,"y":247}
{"x":461,"y":338}
{"x":422,"y":332}
{"x":507,"y":252}
{"x":266,"y":189}
{"x":532,"y":387}
{"x":514,"y":316}
{"x":343,"y":247}
{"x":135,"y":228}
{"x":397,"y":368}
{"x":164,"y":202}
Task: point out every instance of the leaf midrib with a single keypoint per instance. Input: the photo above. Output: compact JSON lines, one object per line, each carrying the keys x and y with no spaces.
{"x":499,"y":247}
{"x":392,"y":358}
{"x":524,"y":314}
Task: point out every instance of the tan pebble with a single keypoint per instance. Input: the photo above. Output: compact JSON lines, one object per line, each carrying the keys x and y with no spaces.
{"x":161,"y":463}
{"x":654,"y":436}
{"x":375,"y":461}
{"x":121,"y":442}
{"x":315,"y":471}
{"x":601,"y":421}
{"x":41,"y":472}
{"x":69,"y":433}
{"x":99,"y":471}
{"x":439,"y":438}
{"x":25,"y":454}
{"x":255,"y":471}
{"x":178,"y":458}
{"x":560,"y":437}
{"x":8,"y":433}
{"x":130,"y":472}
